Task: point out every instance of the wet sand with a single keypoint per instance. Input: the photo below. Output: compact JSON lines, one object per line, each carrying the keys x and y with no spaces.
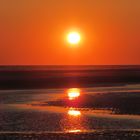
{"x":38,"y":114}
{"x":98,"y":135}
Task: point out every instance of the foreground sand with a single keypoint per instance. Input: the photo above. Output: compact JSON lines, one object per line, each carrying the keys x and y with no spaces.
{"x":97,"y":135}
{"x":44,"y":114}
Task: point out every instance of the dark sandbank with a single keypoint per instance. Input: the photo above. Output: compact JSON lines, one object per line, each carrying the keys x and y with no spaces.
{"x":120,"y":103}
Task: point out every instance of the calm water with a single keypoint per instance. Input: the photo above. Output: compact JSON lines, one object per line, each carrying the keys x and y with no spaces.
{"x":29,"y":111}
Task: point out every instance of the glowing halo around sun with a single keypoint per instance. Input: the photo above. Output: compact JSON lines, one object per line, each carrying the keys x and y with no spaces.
{"x":73,"y":38}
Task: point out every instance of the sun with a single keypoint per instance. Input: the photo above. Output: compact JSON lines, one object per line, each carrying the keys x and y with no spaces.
{"x":73,"y":37}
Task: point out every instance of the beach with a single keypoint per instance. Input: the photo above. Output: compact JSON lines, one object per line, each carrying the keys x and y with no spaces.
{"x":100,"y":111}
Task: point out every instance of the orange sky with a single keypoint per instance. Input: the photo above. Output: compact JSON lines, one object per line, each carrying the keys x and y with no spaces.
{"x":34,"y":32}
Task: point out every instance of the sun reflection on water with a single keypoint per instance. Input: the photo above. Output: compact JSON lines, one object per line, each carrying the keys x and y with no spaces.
{"x":74,"y":121}
{"x":74,"y":131}
{"x":73,"y":112}
{"x":73,"y":93}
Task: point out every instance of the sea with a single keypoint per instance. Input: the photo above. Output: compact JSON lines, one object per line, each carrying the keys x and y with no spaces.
{"x":70,"y":102}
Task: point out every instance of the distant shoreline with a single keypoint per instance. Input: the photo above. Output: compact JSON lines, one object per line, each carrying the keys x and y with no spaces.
{"x":65,"y":67}
{"x":63,"y":77}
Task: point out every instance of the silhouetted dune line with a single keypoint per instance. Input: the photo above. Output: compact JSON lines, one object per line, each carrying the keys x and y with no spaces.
{"x":34,"y":78}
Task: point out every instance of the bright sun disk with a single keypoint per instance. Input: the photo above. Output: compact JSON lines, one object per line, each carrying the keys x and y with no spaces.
{"x":74,"y":38}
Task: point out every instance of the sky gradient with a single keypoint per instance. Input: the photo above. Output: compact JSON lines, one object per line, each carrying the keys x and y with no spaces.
{"x":33,"y":32}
